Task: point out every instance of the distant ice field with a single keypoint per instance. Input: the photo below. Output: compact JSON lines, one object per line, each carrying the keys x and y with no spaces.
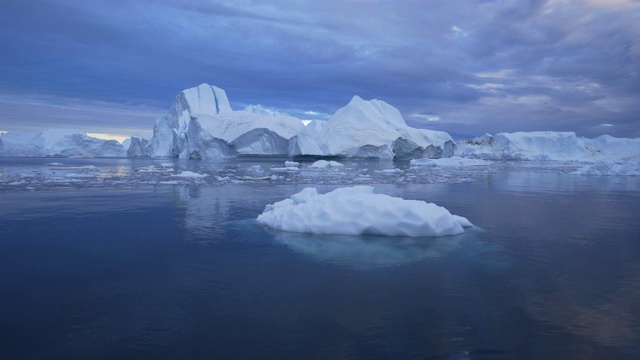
{"x":35,"y":174}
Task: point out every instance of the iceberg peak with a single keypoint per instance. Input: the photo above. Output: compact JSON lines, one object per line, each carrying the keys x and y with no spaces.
{"x":375,"y":129}
{"x":203,"y":99}
{"x":356,"y":99}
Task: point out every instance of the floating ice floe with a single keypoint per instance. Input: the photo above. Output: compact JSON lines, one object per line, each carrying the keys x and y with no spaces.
{"x":449,"y":162}
{"x":325,"y":164}
{"x":626,"y":167}
{"x":155,"y":168}
{"x":288,"y":166}
{"x":358,"y":211}
{"x":391,"y":171}
{"x":273,"y":177}
{"x":190,"y":175}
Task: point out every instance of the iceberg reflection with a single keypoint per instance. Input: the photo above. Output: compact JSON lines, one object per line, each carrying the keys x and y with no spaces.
{"x":363,"y":252}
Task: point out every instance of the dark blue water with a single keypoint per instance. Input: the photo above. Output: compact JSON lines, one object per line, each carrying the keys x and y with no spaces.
{"x":182,"y":271}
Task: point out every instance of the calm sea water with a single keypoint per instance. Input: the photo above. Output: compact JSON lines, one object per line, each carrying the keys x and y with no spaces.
{"x":131,"y":266}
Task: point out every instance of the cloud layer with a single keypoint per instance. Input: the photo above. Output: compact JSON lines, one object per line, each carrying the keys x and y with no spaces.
{"x":462,"y":66}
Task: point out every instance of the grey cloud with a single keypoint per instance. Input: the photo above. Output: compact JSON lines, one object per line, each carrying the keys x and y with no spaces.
{"x":293,"y":55}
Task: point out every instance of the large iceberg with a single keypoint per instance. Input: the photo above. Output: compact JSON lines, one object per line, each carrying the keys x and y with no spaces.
{"x":245,"y":133}
{"x":375,"y":129}
{"x":609,"y":147}
{"x":358,"y":211}
{"x":202,"y":125}
{"x":169,"y":132}
{"x":547,"y":145}
{"x":58,"y":142}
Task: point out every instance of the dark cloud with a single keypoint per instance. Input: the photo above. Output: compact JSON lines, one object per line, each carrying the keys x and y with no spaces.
{"x":474,"y":66}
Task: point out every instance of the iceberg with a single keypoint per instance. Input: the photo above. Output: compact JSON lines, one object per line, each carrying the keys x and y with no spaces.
{"x":202,"y":125}
{"x":245,"y":133}
{"x":260,"y":110}
{"x":358,"y":211}
{"x":375,"y":129}
{"x":621,"y":167}
{"x":324,"y":164}
{"x":137,"y":146}
{"x":609,"y":147}
{"x":169,"y":132}
{"x":547,"y":145}
{"x":58,"y":142}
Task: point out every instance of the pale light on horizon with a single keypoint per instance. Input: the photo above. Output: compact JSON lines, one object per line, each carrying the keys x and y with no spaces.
{"x":117,"y":137}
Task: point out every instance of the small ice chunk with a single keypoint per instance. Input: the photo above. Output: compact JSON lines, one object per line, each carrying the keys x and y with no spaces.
{"x":291,"y":164}
{"x":325,"y":164}
{"x":391,"y":171}
{"x":449,"y":162}
{"x":78,"y":175}
{"x":358,"y":211}
{"x":282,"y":169}
{"x":255,"y":178}
{"x":190,"y":174}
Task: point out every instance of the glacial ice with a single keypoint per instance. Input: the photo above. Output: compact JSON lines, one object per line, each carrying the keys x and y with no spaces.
{"x":60,"y":142}
{"x":547,"y":146}
{"x":375,"y":129}
{"x":619,"y":167}
{"x":323,"y":164}
{"x":137,"y":146}
{"x":169,"y":132}
{"x":260,"y":110}
{"x":202,"y":125}
{"x":358,"y":211}
{"x":244,"y":133}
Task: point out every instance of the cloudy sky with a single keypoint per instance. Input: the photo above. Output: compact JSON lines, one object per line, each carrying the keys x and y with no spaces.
{"x":462,"y":66}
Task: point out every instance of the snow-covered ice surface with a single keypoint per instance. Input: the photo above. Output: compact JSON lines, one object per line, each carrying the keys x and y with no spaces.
{"x":358,"y":210}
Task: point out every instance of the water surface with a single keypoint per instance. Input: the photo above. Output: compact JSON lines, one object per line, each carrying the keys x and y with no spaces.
{"x":146,"y":269}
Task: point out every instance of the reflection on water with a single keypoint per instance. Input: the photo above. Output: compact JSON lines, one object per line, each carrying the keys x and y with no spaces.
{"x":185,"y":271}
{"x":362,"y":252}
